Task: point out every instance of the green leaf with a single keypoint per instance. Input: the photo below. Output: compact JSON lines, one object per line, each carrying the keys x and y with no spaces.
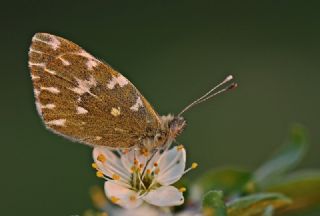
{"x":302,"y":187}
{"x":257,"y":204}
{"x":284,"y":160}
{"x":213,"y":204}
{"x":229,"y":180}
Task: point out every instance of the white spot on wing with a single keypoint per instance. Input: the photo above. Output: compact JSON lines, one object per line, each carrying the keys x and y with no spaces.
{"x":35,"y":51}
{"x":84,"y":86}
{"x":38,"y":106}
{"x":115,"y":111}
{"x":91,"y":61}
{"x":50,"y":71}
{"x":34,"y":77}
{"x":53,"y":90}
{"x":57,"y":122}
{"x":120,"y":80}
{"x":36,"y":92}
{"x":43,"y":65}
{"x":98,"y":138}
{"x":91,"y":64}
{"x":137,"y":105}
{"x":65,"y":62}
{"x":53,"y":41}
{"x":81,"y":110}
{"x":48,"y":106}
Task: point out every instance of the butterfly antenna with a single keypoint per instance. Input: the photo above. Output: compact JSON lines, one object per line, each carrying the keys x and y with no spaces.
{"x":154,"y":151}
{"x":211,"y":93}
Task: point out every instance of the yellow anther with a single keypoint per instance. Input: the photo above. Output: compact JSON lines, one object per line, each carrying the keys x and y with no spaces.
{"x":180,"y":147}
{"x":132,"y":168}
{"x":135,"y":162}
{"x":132,"y":198}
{"x":141,"y":166}
{"x":99,"y":174}
{"x":114,"y":199}
{"x":155,"y":164}
{"x":94,"y":165}
{"x":156,"y":171}
{"x":101,"y":158}
{"x":144,"y":152}
{"x":115,"y":177}
{"x":148,"y":171}
{"x":183,"y":189}
{"x":194,"y":165}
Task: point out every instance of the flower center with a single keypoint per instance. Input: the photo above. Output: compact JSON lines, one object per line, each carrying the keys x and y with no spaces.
{"x":143,"y":181}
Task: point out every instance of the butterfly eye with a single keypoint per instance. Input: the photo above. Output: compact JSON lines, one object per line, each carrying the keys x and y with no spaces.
{"x":159,"y":137}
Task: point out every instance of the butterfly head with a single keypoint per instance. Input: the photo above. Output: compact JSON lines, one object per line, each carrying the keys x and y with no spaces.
{"x":176,"y":126}
{"x":172,"y":126}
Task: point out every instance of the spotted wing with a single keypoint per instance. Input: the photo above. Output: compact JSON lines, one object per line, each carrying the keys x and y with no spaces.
{"x":83,"y":99}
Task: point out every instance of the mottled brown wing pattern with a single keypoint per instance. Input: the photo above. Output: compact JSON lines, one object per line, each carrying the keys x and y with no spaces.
{"x":80,"y":97}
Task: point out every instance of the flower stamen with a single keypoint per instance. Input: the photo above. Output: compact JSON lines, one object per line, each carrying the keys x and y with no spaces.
{"x":133,"y":174}
{"x":94,"y":166}
{"x":141,"y":182}
{"x":101,"y":158}
{"x":114,"y":199}
{"x":148,"y":171}
{"x":156,"y":171}
{"x":182,"y":189}
{"x":115,"y":177}
{"x":144,"y":152}
{"x":193,"y":166}
{"x":99,"y":174}
{"x":132,"y":198}
{"x":180,"y":147}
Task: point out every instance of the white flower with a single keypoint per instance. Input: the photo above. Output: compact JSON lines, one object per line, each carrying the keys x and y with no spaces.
{"x":136,"y":176}
{"x":141,"y":210}
{"x":148,"y":210}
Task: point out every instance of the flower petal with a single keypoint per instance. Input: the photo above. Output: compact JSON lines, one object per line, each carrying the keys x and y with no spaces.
{"x":171,"y":165}
{"x":110,"y":164}
{"x":127,"y":159}
{"x":165,"y":196}
{"x":121,"y":195}
{"x":143,"y":210}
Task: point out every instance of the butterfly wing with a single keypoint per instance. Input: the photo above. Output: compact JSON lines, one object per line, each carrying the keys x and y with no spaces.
{"x":85,"y":100}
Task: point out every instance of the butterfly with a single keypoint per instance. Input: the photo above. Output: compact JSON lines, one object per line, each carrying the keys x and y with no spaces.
{"x":86,"y":100}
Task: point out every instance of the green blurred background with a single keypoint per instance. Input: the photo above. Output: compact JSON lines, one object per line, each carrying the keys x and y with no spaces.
{"x":173,"y":51}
